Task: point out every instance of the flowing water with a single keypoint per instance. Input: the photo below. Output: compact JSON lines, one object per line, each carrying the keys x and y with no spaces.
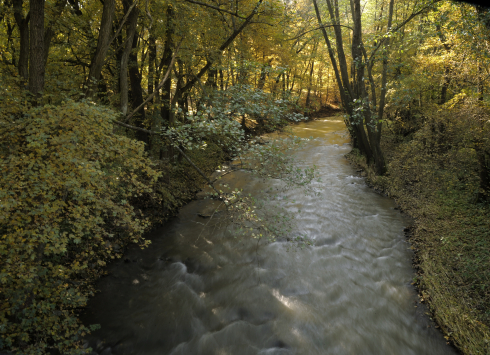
{"x":198,"y":290}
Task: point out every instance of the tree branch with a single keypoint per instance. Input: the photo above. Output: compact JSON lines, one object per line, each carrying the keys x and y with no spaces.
{"x":408,"y":19}
{"x":165,"y":78}
{"x":175,"y":146}
{"x":216,"y":8}
{"x":123,"y":22}
{"x":318,"y":28}
{"x":225,"y":45}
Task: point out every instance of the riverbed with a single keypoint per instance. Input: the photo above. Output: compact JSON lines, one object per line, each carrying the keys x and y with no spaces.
{"x":199,"y":290}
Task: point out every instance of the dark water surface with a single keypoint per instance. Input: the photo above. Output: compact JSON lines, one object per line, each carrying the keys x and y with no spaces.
{"x":200,"y":291}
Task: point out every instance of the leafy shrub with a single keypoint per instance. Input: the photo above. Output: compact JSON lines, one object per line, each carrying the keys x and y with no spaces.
{"x":245,"y":102}
{"x":224,"y":120}
{"x":64,"y":211}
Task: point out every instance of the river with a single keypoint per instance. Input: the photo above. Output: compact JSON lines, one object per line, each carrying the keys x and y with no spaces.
{"x":196,"y":290}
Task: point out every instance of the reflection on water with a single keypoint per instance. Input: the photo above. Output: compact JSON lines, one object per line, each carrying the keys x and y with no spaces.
{"x":201,"y":291}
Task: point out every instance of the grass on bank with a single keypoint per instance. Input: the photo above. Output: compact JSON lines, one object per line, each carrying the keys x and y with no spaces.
{"x":433,"y":173}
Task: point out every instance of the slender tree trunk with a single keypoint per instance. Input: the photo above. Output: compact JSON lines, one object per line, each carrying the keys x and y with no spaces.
{"x":152,"y":56}
{"x":445,"y":85}
{"x":137,"y":91}
{"x":36,"y":53}
{"x":328,"y":85}
{"x":447,"y":69}
{"x":103,"y":44}
{"x":49,"y":33}
{"x":263,"y":75}
{"x":23,"y":25}
{"x":359,"y":90}
{"x":165,"y":62}
{"x":291,"y":88}
{"x":128,"y":46}
{"x":309,"y":84}
{"x":221,"y":80}
{"x":333,"y":59}
{"x":284,"y":84}
{"x":379,"y":158}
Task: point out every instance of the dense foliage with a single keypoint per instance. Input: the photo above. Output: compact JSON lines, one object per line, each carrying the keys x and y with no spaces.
{"x":112,"y":113}
{"x":65,"y":192}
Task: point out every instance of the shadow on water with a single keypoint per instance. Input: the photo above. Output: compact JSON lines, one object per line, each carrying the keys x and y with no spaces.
{"x":198,"y":290}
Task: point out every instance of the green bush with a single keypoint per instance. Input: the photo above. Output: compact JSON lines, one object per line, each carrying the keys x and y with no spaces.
{"x":64,"y":212}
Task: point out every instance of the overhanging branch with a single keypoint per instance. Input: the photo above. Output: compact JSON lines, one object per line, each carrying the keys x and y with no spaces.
{"x":175,"y":146}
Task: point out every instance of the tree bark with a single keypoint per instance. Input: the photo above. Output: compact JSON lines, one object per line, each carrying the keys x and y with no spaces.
{"x":128,"y":46}
{"x":166,"y":110}
{"x":152,"y":57}
{"x":263,"y":74}
{"x":307,"y":103}
{"x":137,"y":91}
{"x":23,"y":24}
{"x":36,"y":52}
{"x":447,"y":69}
{"x":103,"y":44}
{"x":480,"y":82}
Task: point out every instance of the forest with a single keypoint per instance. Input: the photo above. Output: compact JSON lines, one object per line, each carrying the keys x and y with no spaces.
{"x":114,"y":112}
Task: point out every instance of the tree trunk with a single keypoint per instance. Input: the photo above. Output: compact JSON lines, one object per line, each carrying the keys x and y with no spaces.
{"x":445,"y":85}
{"x":152,"y":57}
{"x":103,"y":44}
{"x":164,"y":63}
{"x":137,"y":91}
{"x":307,"y":104}
{"x":447,"y":69}
{"x":23,"y":24}
{"x":221,"y":80}
{"x":36,"y":53}
{"x":128,"y":46}
{"x":263,"y":75}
